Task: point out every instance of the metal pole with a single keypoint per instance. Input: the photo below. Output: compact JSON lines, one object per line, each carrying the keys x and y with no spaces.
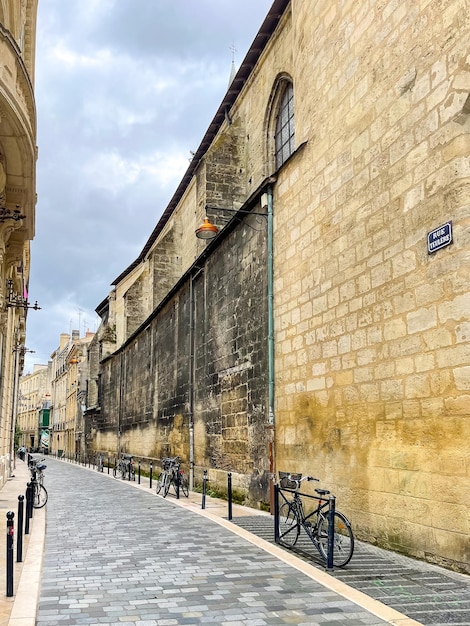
{"x":10,"y":534}
{"x":151,"y":472}
{"x":28,"y":498}
{"x":276,"y":513}
{"x":139,"y":474}
{"x":19,"y":539}
{"x":229,"y":494}
{"x":204,"y":481}
{"x":331,"y":531}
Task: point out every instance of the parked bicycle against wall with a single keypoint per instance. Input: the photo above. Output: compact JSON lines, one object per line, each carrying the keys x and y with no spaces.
{"x":125,"y":467}
{"x":172,"y":475}
{"x":36,"y":468}
{"x":100,"y":462}
{"x":292,"y":518}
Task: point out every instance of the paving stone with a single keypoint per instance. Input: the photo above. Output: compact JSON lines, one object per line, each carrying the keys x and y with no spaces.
{"x":116,"y":555}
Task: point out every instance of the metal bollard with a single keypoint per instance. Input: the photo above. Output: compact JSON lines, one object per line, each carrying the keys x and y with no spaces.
{"x":276,"y":513}
{"x":204,"y":485}
{"x":19,"y":538}
{"x":229,"y":494}
{"x":29,"y":500}
{"x":108,"y":463}
{"x":177,"y":486}
{"x":331,"y":532}
{"x":26,"y":521}
{"x":151,"y":471}
{"x":139,"y":473}
{"x":10,"y":535}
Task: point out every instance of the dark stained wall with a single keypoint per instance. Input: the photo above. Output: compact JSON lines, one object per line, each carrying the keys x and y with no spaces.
{"x":203,"y":351}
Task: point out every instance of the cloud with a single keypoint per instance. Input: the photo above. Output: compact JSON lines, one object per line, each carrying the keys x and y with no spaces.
{"x":125,"y":89}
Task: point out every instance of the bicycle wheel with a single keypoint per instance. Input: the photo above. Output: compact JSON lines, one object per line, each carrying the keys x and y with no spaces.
{"x":160,"y":482}
{"x":289,"y":527}
{"x":184,"y":486}
{"x":166,"y":484}
{"x":343,"y":539}
{"x":39,"y":496}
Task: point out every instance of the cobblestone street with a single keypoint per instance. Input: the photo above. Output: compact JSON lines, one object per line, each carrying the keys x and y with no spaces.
{"x":118,"y":555}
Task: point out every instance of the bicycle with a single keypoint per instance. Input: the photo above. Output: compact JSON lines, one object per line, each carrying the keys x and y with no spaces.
{"x":292,"y":518}
{"x":39,"y":495}
{"x":100,"y":463}
{"x":125,"y":466}
{"x":172,"y":474}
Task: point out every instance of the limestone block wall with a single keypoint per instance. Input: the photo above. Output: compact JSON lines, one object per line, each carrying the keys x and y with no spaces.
{"x":372,"y":332}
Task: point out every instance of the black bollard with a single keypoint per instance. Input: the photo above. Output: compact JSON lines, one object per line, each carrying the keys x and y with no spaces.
{"x":331,"y":531}
{"x":29,"y":500}
{"x":10,"y":535}
{"x":26,"y":520}
{"x":108,"y":463}
{"x":276,"y":513}
{"x":19,"y":538}
{"x":204,"y":483}
{"x":139,"y":473}
{"x":177,"y":486}
{"x":151,"y":471}
{"x":229,"y":494}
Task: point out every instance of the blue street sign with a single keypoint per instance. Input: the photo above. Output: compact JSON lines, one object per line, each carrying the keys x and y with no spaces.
{"x":440,"y":237}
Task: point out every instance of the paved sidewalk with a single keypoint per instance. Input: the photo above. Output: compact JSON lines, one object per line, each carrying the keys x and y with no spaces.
{"x":117,"y":554}
{"x":26,"y":574}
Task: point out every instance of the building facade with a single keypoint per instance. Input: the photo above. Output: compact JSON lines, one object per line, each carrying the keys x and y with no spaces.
{"x":33,"y":398}
{"x":17,"y":204}
{"x":331,"y":336}
{"x":69,"y":372}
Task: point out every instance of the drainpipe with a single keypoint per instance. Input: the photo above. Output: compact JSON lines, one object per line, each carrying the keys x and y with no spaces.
{"x":192,"y":375}
{"x":191,"y":384}
{"x":271,"y":417}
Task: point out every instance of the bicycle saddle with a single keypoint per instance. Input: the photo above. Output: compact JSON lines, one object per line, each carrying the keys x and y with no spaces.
{"x":322,"y":492}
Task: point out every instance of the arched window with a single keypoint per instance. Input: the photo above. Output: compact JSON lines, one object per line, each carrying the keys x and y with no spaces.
{"x":284,"y":135}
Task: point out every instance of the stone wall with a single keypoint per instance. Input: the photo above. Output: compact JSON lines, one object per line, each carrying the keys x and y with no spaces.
{"x":202,"y":358}
{"x":373,"y":348}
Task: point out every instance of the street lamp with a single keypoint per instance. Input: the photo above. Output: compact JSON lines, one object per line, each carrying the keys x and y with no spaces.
{"x":15,"y":300}
{"x":207,"y":230}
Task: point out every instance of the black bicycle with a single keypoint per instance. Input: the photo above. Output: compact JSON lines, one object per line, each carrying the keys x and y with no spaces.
{"x":292,"y":518}
{"x":40,"y":496}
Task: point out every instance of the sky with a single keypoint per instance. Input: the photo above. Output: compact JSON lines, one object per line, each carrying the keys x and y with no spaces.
{"x":125,"y":90}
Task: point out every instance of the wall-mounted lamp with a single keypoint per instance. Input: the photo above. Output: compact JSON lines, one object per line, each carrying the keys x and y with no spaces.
{"x":207,"y":230}
{"x":23,"y":349}
{"x":16,"y":301}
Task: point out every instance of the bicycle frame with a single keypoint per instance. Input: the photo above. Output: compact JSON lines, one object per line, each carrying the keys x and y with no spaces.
{"x":304,"y":521}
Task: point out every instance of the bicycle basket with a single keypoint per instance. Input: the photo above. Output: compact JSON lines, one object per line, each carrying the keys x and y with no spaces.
{"x":285,"y":482}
